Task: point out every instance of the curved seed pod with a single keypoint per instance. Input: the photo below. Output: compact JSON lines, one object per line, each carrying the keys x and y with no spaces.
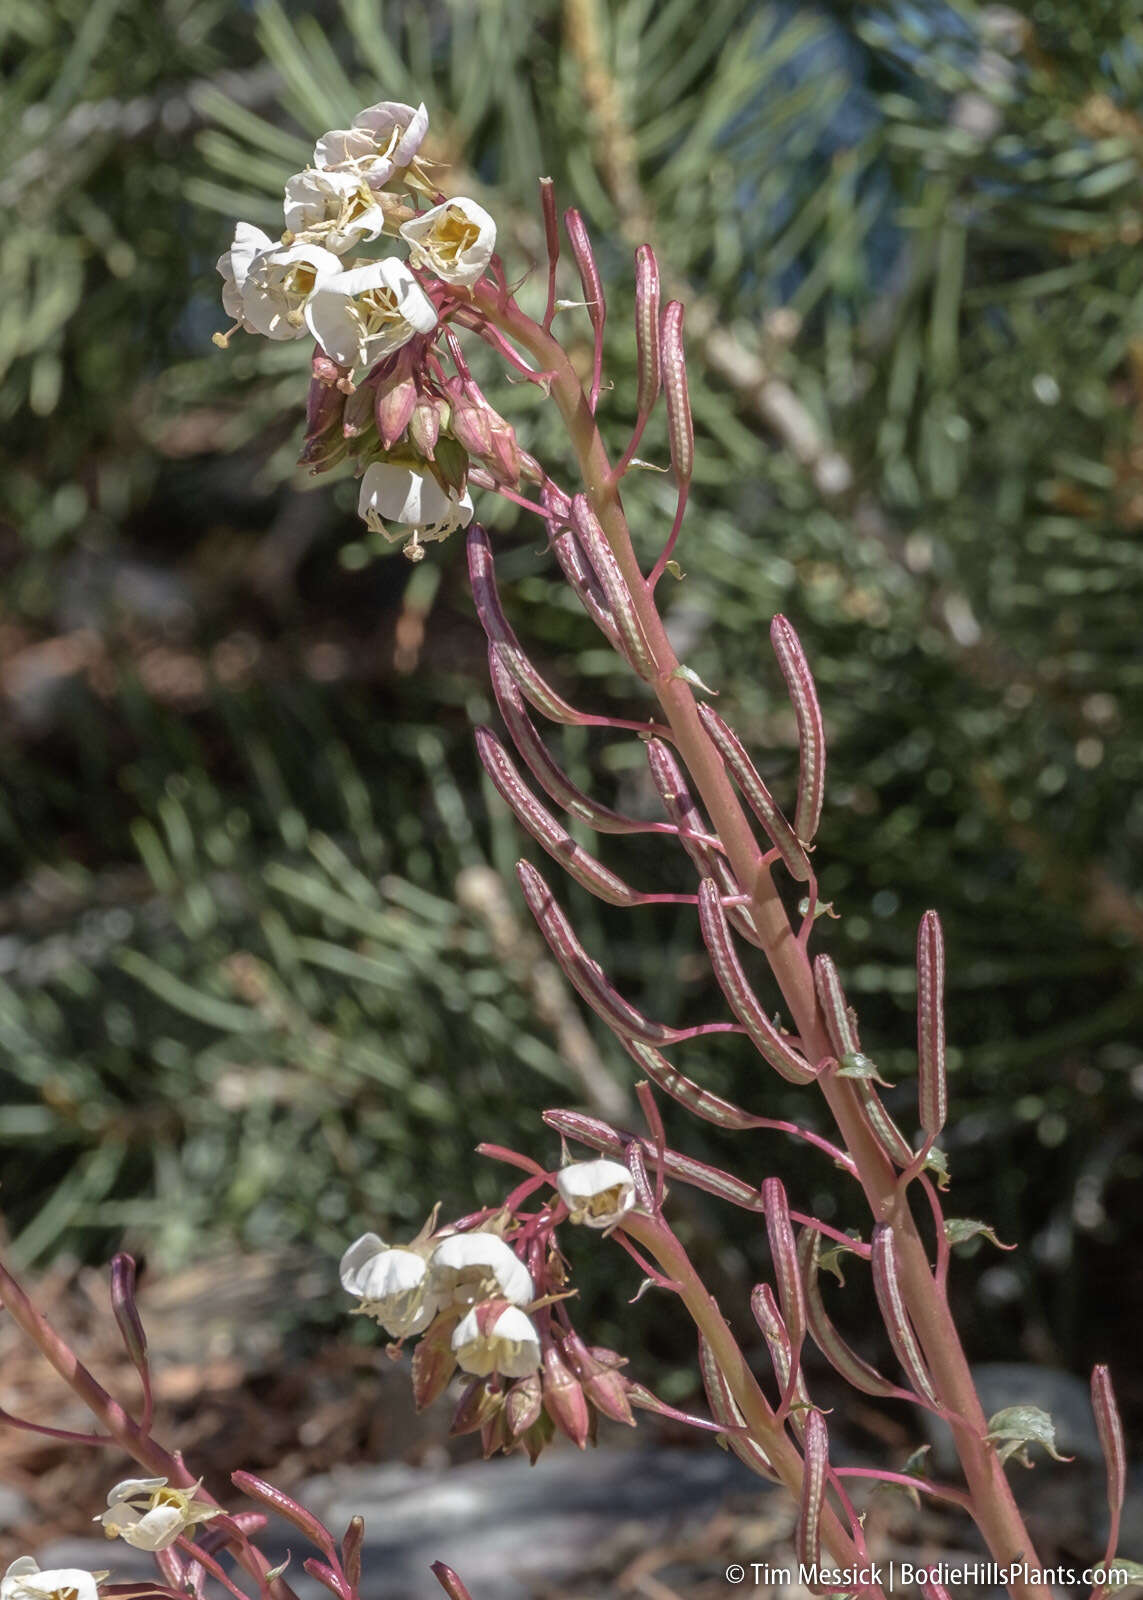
{"x":592,"y":286}
{"x":693,"y":835}
{"x":758,"y":797}
{"x":544,"y":828}
{"x":841,"y":1025}
{"x":647,"y":329}
{"x":811,"y":731}
{"x":552,"y":241}
{"x":769,"y":1043}
{"x":894,"y":1314}
{"x":724,"y":1408}
{"x":784,"y":1253}
{"x":932,"y":1083}
{"x":783,"y":1354}
{"x":551,"y":777}
{"x":126,"y":1311}
{"x":585,"y":975}
{"x":856,"y":1372}
{"x":618,"y":596}
{"x":503,"y":641}
{"x":610,"y":1142}
{"x":680,"y":425}
{"x":1110,"y":1429}
{"x":586,"y":585}
{"x":277,"y":1500}
{"x":664,"y":1075}
{"x":808,"y":1535}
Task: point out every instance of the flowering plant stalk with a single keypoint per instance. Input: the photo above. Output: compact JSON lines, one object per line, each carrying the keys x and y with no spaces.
{"x":488,"y":1295}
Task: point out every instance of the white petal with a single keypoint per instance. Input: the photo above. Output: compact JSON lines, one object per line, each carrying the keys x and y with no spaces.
{"x":341,"y":146}
{"x":24,"y":1581}
{"x":469,"y":1252}
{"x":357,"y":1258}
{"x":512,"y":1347}
{"x":131,"y":1487}
{"x":604,"y":1181}
{"x":467,"y":265}
{"x":158,"y":1530}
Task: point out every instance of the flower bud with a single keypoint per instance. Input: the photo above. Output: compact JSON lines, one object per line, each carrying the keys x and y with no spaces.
{"x":564,"y":1399}
{"x":425,"y":424}
{"x":469,"y":423}
{"x":324,"y":444}
{"x":477,"y":1407}
{"x":433,"y":1363}
{"x":394,"y":398}
{"x":524,"y":1404}
{"x":357,"y":418}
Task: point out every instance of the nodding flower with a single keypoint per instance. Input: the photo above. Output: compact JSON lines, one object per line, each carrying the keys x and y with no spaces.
{"x":496,"y":1337}
{"x":597,"y":1193}
{"x":454,"y":240}
{"x":367,"y":312}
{"x":394,"y":493}
{"x":391,"y":1283}
{"x":149,"y":1514}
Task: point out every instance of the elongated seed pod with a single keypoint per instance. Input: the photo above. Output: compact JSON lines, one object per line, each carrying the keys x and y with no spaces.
{"x":856,"y":1371}
{"x":895,"y":1316}
{"x":592,"y":285}
{"x":692,"y":832}
{"x":126,"y":1311}
{"x":783,"y":1355}
{"x":932,"y":1083}
{"x":633,"y":641}
{"x":351,"y":1541}
{"x":680,"y":425}
{"x":784,"y":1253}
{"x":725,"y":1409}
{"x":1110,"y":1429}
{"x":811,"y":730}
{"x":808,"y":1534}
{"x":585,"y":975}
{"x":546,"y":830}
{"x":665,"y":1076}
{"x":745,"y":1004}
{"x":552,"y":241}
{"x":842,"y":1029}
{"x":545,"y":769}
{"x":756,"y":794}
{"x":647,"y":328}
{"x":277,"y":1500}
{"x":583,"y":580}
{"x":693,"y":835}
{"x":509,"y":651}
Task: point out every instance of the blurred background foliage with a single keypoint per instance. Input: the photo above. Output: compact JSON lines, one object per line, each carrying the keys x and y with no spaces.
{"x":257,"y":984}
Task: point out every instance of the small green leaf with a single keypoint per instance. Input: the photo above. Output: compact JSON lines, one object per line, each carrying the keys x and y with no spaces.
{"x":936,"y":1161}
{"x":854,"y":1065}
{"x":1131,"y":1570}
{"x":675,"y":570}
{"x":917,"y":1465}
{"x":1017,"y":1426}
{"x":689,"y":675}
{"x":830,"y":1260}
{"x":958,"y":1230}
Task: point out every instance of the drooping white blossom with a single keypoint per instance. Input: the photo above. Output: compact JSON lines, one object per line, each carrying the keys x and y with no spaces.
{"x":234,"y":266}
{"x":24,"y":1581}
{"x":391,"y":493}
{"x":510,"y":1345}
{"x":596,"y":1192}
{"x":383,"y":140}
{"x":369,"y":311}
{"x":478,"y":1266}
{"x":335,"y":209}
{"x":279,"y":284}
{"x":149,"y":1514}
{"x":392,"y":1285}
{"x":455,"y":240}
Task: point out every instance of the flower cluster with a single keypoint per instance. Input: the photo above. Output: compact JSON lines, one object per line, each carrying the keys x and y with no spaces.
{"x":486,"y":1311}
{"x":378,"y":393}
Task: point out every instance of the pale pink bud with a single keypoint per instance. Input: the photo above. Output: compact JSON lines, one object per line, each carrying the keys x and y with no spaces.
{"x":564,"y":1399}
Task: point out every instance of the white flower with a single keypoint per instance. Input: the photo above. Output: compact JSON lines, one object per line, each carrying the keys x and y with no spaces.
{"x":383,"y":140}
{"x":391,"y":1285}
{"x":596,"y":1192}
{"x":455,"y":240}
{"x":24,"y":1581}
{"x":368,"y":312}
{"x":392,"y":493}
{"x":278,"y":286}
{"x":477,"y":1266}
{"x":511,"y":1345}
{"x":148,"y":1514}
{"x":336,"y":209}
{"x":235,"y":265}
